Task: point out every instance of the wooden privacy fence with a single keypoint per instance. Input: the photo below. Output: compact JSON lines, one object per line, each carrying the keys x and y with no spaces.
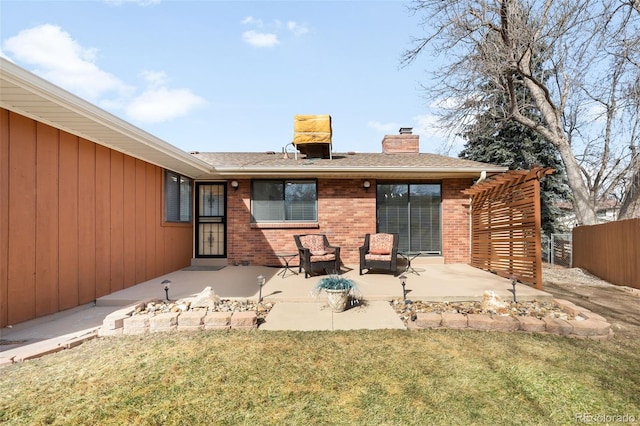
{"x":610,"y":251}
{"x":505,"y":225}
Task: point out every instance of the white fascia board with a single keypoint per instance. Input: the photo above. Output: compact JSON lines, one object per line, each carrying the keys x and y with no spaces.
{"x":354,"y":172}
{"x":71,"y":103}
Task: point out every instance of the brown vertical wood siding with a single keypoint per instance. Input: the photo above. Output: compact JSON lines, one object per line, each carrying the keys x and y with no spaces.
{"x":68,"y":223}
{"x":47,"y":217}
{"x":4,"y":213}
{"x":77,"y":221}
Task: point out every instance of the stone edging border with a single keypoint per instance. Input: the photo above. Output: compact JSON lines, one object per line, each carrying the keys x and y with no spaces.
{"x":123,"y":322}
{"x":590,"y":325}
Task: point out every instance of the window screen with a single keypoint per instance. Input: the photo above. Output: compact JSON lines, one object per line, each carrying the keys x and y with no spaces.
{"x":413,"y":212}
{"x":177,"y":198}
{"x":284,"y":201}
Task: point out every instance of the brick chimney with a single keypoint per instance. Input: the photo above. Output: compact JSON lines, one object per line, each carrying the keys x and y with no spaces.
{"x":405,"y":142}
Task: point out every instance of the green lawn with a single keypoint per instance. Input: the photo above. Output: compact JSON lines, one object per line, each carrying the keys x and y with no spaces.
{"x":308,"y":378}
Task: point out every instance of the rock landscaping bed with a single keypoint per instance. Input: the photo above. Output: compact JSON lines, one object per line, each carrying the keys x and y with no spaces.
{"x":205,"y":311}
{"x":156,"y":306}
{"x":535,"y":309}
{"x":560,"y":317}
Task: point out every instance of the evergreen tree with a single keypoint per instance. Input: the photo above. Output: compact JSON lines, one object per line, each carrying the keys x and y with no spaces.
{"x":514,"y":146}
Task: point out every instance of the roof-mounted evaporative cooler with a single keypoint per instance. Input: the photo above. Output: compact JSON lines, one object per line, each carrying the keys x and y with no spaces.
{"x":312,"y":135}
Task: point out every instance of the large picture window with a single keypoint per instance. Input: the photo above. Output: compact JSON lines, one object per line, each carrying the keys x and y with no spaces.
{"x":177,"y":197}
{"x":284,"y":201}
{"x":412,"y":210}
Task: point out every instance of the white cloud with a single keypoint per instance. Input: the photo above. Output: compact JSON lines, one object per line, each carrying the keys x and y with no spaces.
{"x":428,"y":125}
{"x":162,"y":104}
{"x":250,"y":20}
{"x":155,"y":78}
{"x":595,"y":112}
{"x":383,"y":127}
{"x":451,"y":102}
{"x":60,"y":59}
{"x":434,"y":137}
{"x":257,"y":39}
{"x":296,"y":28}
{"x":268,"y":36}
{"x":63,"y":61}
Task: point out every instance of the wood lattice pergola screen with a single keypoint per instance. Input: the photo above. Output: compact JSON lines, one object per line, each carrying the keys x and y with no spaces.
{"x":505,"y":225}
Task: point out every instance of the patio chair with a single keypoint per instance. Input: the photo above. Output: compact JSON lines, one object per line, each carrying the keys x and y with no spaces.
{"x":379,"y":251}
{"x":317,"y":255}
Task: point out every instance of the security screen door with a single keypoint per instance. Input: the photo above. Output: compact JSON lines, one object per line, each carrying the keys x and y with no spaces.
{"x":211,"y":228}
{"x":413,"y":211}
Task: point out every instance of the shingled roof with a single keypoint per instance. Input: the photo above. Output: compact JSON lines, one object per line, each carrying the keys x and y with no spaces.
{"x":354,"y":165}
{"x":27,"y":94}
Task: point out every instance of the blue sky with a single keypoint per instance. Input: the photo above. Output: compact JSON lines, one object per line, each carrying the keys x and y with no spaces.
{"x":231,"y":75}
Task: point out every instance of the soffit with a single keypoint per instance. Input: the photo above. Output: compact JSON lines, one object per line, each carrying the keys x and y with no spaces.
{"x":24,"y":93}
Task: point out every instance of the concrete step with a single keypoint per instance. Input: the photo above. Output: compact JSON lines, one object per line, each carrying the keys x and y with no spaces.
{"x":207,"y":261}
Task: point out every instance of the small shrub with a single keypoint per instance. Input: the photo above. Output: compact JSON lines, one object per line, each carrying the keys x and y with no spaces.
{"x":334,"y":282}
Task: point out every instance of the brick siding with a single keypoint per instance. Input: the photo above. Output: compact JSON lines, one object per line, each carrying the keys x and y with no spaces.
{"x":346,"y":212}
{"x":455,"y":221}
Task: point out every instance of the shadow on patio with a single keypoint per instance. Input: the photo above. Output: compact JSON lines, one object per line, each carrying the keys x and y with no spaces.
{"x":435,"y":282}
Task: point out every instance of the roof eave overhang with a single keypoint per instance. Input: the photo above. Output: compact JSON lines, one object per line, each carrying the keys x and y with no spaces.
{"x":31,"y":96}
{"x":353,"y":173}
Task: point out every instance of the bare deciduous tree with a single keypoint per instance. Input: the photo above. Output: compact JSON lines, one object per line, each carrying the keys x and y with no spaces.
{"x":609,"y":161}
{"x":630,"y":206}
{"x":561,"y":52}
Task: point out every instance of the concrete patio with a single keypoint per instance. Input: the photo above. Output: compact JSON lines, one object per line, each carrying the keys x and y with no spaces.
{"x":433,"y":282}
{"x":295,"y":307}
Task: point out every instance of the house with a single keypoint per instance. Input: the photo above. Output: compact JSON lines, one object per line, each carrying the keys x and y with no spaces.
{"x":606,"y":211}
{"x":92,"y":205}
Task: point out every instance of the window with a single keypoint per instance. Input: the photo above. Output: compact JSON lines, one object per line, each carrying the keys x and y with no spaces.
{"x":284,"y":201}
{"x":413,"y":212}
{"x":177,"y":198}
